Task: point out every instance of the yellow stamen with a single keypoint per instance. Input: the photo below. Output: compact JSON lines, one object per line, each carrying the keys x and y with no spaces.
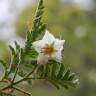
{"x":48,"y":49}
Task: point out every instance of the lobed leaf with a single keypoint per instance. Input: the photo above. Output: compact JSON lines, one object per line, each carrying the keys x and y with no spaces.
{"x":57,"y":75}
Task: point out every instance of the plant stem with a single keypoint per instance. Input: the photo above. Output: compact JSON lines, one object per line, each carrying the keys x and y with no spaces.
{"x":33,"y":71}
{"x":20,"y":90}
{"x":24,"y":79}
{"x":15,"y":83}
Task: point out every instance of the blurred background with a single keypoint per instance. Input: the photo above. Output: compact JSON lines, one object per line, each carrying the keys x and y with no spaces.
{"x":72,"y":20}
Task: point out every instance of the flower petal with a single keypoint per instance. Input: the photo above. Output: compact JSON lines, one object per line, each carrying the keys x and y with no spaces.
{"x":38,"y":45}
{"x":48,"y":37}
{"x":58,"y":45}
{"x":42,"y":59}
{"x":56,"y":56}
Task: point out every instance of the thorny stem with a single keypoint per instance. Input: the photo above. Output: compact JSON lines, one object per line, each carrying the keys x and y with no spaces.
{"x":33,"y":71}
{"x":24,"y":79}
{"x":20,"y":90}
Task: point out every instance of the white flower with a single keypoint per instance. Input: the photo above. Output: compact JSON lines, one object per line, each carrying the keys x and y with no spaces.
{"x":48,"y":48}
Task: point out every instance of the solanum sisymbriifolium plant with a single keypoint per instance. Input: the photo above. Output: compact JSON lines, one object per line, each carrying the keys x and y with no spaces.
{"x":41,"y":56}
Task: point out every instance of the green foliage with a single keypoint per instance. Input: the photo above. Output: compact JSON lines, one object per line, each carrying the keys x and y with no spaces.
{"x":38,"y":25}
{"x":3,"y":63}
{"x":29,"y":50}
{"x":15,"y":57}
{"x":24,"y":63}
{"x":58,"y":75}
{"x":37,"y":29}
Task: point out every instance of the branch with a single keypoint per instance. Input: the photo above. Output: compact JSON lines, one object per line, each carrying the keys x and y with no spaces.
{"x":22,"y":91}
{"x":24,"y":79}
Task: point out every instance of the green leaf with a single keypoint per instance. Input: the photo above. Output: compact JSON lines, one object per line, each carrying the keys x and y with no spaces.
{"x":58,"y":75}
{"x":12,"y":50}
{"x":61,"y":71}
{"x":54,"y":70}
{"x":54,"y":83}
{"x":38,"y":26}
{"x":72,"y":76}
{"x":40,"y":71}
{"x":17,"y":46}
{"x":3,"y":63}
{"x":28,"y":43}
{"x":15,"y":58}
{"x":63,"y":84}
{"x":66,"y":75}
{"x":21,"y":55}
{"x":47,"y":71}
{"x":2,"y":71}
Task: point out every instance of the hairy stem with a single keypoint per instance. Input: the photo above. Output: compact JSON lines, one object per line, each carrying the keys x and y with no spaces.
{"x":24,"y":79}
{"x":22,"y":91}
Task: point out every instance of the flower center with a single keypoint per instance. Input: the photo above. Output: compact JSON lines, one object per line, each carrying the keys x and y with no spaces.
{"x":47,"y":49}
